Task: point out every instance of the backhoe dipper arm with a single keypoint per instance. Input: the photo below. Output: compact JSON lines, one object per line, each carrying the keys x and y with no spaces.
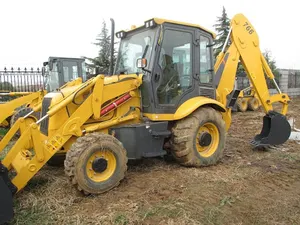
{"x":245,"y":48}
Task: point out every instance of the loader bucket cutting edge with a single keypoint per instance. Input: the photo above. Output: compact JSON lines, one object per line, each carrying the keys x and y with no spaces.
{"x":7,"y":189}
{"x":276,"y":130}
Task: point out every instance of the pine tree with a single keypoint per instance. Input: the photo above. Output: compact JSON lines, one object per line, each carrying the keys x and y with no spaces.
{"x":101,"y":63}
{"x":222,"y":27}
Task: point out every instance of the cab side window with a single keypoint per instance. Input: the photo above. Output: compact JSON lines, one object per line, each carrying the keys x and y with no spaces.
{"x":70,"y":71}
{"x":205,"y":61}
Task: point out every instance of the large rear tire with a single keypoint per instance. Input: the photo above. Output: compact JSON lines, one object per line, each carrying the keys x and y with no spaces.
{"x":242,"y":104}
{"x":199,"y":139}
{"x":96,"y":163}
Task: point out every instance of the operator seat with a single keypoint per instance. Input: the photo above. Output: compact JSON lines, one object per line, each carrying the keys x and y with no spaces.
{"x":168,"y":88}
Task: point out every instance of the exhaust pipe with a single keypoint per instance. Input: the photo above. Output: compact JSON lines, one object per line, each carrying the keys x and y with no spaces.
{"x":7,"y":190}
{"x":276,"y":130}
{"x":112,"y":49}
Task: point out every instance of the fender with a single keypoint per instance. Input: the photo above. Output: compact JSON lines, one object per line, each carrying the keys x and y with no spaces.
{"x":187,"y":108}
{"x":194,"y":103}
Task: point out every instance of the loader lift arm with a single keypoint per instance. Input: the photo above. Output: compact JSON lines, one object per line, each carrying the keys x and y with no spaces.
{"x":245,"y":47}
{"x":27,"y":98}
{"x":72,"y":127}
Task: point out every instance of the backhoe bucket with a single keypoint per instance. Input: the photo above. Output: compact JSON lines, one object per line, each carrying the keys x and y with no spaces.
{"x":6,"y":196}
{"x":276,"y":130}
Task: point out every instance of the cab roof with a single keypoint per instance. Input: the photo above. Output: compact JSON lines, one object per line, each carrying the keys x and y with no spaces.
{"x":161,"y":21}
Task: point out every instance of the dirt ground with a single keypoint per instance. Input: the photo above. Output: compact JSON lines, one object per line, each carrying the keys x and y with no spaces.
{"x":247,"y":187}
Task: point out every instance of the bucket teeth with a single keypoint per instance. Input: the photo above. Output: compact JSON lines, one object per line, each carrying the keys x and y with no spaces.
{"x":257,"y":143}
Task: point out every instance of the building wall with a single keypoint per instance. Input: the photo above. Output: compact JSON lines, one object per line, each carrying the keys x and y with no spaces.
{"x":292,"y":92}
{"x":284,"y":81}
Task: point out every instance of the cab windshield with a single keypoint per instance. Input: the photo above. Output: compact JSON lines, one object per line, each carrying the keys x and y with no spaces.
{"x":133,"y":47}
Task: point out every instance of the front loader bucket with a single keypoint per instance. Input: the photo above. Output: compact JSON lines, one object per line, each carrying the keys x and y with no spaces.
{"x":276,"y":130}
{"x":7,"y":190}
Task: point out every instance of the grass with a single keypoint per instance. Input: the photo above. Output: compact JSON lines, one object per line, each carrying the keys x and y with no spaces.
{"x":6,"y":149}
{"x":249,"y":187}
{"x":292,"y":157}
{"x":164,"y":209}
{"x":212,"y":215}
{"x":3,"y":131}
{"x":34,"y":214}
{"x":121,"y":219}
{"x":49,"y":198}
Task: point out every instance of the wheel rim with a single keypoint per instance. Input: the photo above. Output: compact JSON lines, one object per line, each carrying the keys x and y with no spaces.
{"x":101,"y":165}
{"x":255,"y":103}
{"x":207,"y":139}
{"x":244,"y":104}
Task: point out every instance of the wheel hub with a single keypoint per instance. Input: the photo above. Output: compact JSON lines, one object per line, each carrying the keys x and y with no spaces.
{"x":99,"y":165}
{"x":205,"y":139}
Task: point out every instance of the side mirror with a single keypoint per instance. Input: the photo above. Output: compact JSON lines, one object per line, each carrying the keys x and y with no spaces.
{"x":141,"y":63}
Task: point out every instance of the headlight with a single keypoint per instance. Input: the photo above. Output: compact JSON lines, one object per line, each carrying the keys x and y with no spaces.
{"x":121,"y":34}
{"x":150,"y":23}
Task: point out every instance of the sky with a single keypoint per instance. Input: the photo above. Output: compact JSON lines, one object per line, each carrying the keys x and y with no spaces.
{"x":33,"y":30}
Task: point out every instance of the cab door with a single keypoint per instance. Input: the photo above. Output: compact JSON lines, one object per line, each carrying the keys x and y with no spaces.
{"x":174,"y":72}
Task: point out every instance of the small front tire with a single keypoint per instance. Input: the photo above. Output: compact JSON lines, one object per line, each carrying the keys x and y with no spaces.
{"x":96,"y":163}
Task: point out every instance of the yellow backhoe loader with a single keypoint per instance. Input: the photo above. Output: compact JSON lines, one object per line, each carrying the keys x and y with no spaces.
{"x":247,"y":100}
{"x":57,"y":72}
{"x":156,"y":101}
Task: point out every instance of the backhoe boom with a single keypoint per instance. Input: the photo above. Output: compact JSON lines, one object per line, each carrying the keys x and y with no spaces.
{"x":245,"y":48}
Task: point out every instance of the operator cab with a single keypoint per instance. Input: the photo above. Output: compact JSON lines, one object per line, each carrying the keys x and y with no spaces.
{"x":176,"y":60}
{"x":58,"y":71}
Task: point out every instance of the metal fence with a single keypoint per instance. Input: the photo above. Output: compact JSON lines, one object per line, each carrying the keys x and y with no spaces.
{"x":21,"y":80}
{"x":294,"y":79}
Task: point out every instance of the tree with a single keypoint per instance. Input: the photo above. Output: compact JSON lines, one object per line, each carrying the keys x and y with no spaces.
{"x":101,"y":62}
{"x":222,"y":27}
{"x":272,"y":64}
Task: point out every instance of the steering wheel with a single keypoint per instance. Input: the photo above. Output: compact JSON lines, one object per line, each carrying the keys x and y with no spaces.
{"x":169,"y":87}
